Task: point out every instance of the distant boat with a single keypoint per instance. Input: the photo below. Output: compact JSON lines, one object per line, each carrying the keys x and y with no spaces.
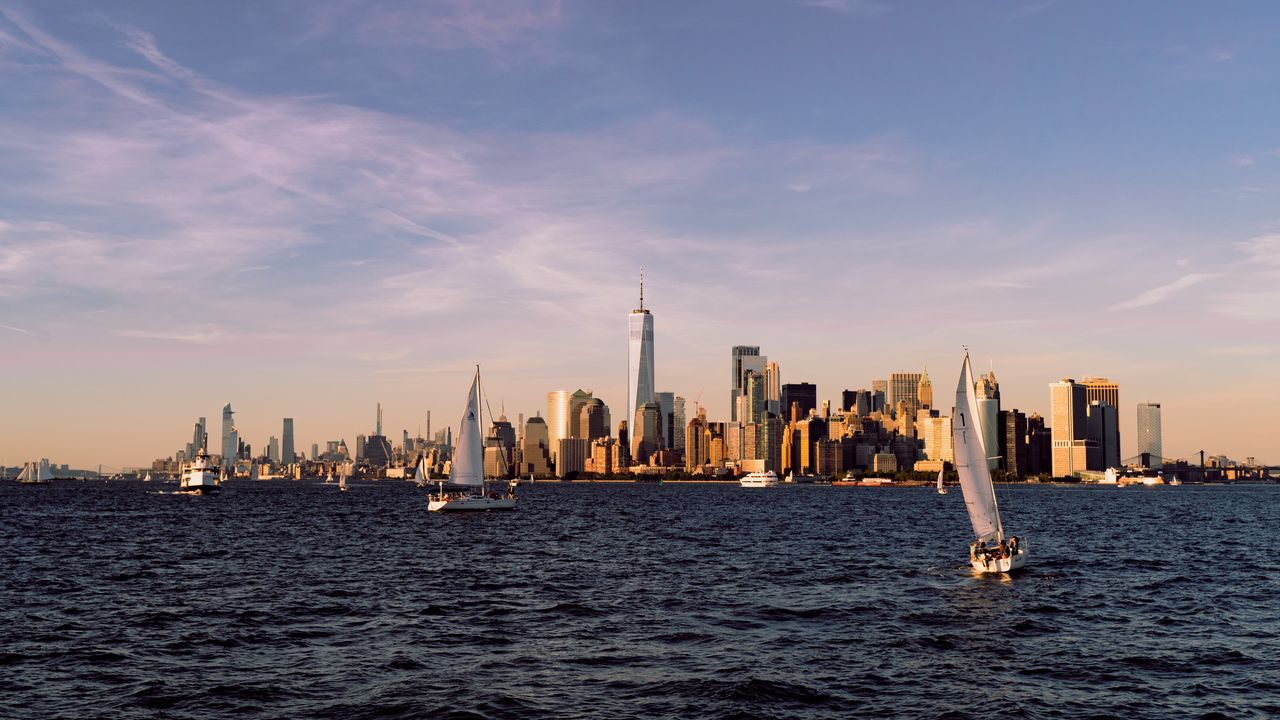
{"x":765,"y":479}
{"x":342,"y":478}
{"x":990,"y":551}
{"x":147,"y":478}
{"x":420,"y":475}
{"x":941,"y":490}
{"x":200,"y":478}
{"x":466,"y":472}
{"x":36,"y":473}
{"x":328,"y":479}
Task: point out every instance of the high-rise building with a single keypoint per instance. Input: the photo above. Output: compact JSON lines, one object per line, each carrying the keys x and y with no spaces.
{"x":744,"y":359}
{"x":1150,"y":450}
{"x":697,"y":440}
{"x":647,"y":436}
{"x":315,"y":451}
{"x":773,"y":388}
{"x":640,"y":383}
{"x":1073,"y":451}
{"x":1102,"y":420}
{"x":377,"y":449}
{"x":286,"y":444}
{"x":905,"y":386}
{"x":273,"y":449}
{"x":199,"y":438}
{"x":360,"y":441}
{"x":924,"y":392}
{"x":879,"y":395}
{"x":535,"y":449}
{"x":1013,"y":443}
{"x":667,"y":427}
{"x":563,"y":408}
{"x":1039,"y":447}
{"x":593,"y":420}
{"x":228,"y":448}
{"x":1106,"y":392}
{"x":571,"y":456}
{"x":804,"y":394}
{"x":754,"y":391}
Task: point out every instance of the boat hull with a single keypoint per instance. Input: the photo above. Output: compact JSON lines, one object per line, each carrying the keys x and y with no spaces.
{"x":996,"y":565}
{"x":470,"y":504}
{"x":758,"y":483}
{"x":198,"y":490}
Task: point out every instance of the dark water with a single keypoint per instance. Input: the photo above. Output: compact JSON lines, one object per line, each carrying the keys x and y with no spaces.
{"x":289,"y":600}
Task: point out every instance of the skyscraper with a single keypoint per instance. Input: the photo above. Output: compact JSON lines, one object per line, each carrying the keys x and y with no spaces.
{"x":805,"y":394}
{"x":640,"y":384}
{"x":563,"y":409}
{"x":904,"y":386}
{"x":744,"y":359}
{"x":773,"y":388}
{"x":273,"y":449}
{"x":228,"y":446}
{"x":1107,"y":423}
{"x":1073,"y":451}
{"x":1150,"y":450}
{"x":286,"y":445}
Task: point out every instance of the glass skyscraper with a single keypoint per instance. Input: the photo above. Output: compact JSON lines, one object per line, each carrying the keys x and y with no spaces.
{"x":1149,"y":433}
{"x":640,"y":386}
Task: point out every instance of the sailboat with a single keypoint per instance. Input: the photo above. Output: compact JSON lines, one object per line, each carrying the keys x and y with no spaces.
{"x":466,"y":472}
{"x":941,"y":490}
{"x":328,"y":479}
{"x":35,"y":473}
{"x":991,"y":551}
{"x":342,"y":478}
{"x":420,"y":476}
{"x":147,"y":478}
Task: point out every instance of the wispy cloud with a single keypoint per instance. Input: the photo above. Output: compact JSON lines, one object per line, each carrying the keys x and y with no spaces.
{"x":203,"y":335}
{"x":15,"y":329}
{"x":1243,"y":161}
{"x":500,"y":27}
{"x":1164,"y":292}
{"x":848,"y":7}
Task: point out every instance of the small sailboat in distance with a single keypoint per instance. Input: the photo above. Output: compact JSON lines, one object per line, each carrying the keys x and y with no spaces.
{"x":420,"y":475}
{"x":342,"y":478}
{"x":941,"y":489}
{"x":991,"y":551}
{"x":466,"y":471}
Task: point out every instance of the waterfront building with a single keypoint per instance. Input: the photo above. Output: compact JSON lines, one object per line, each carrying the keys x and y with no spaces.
{"x":754,"y":392}
{"x":563,"y":409}
{"x":1073,"y":451}
{"x":360,"y":443}
{"x":228,"y":448}
{"x":1013,"y":443}
{"x":571,"y":456}
{"x":273,"y":449}
{"x":808,"y":432}
{"x":1107,"y":423}
{"x":640,"y":371}
{"x":1102,"y":420}
{"x":535,"y":450}
{"x":803,"y":394}
{"x":1039,"y":446}
{"x":1150,"y":451}
{"x":315,"y":451}
{"x":287,"y":452}
{"x":697,"y":441}
{"x":671,"y":420}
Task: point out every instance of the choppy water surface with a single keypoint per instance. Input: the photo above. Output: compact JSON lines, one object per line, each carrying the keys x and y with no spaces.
{"x":292,"y":600}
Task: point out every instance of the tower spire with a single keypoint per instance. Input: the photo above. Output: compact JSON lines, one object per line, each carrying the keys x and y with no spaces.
{"x":642,"y":287}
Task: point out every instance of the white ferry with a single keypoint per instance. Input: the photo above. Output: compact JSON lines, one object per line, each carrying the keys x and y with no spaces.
{"x":199,"y":478}
{"x":765,"y":479}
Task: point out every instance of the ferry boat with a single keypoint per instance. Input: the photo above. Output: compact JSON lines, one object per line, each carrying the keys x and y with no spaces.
{"x":200,"y":477}
{"x":765,"y":479}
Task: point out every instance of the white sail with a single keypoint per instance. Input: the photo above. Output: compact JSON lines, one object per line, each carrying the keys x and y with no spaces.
{"x":467,"y":467}
{"x":25,"y":475}
{"x":342,"y":477}
{"x":971,"y":461}
{"x":939,"y":479}
{"x":421,"y":474}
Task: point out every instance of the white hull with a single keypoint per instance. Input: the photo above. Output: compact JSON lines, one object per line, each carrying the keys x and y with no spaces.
{"x":994,"y":564}
{"x":470,"y":503}
{"x":765,"y":479}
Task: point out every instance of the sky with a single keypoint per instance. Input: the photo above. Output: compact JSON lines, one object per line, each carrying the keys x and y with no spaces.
{"x":306,"y":208}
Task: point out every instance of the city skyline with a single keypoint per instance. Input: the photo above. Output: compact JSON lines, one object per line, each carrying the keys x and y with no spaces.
{"x":203,"y":208}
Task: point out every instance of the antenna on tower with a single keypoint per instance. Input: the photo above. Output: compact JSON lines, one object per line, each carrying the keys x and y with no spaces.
{"x":641,"y":287}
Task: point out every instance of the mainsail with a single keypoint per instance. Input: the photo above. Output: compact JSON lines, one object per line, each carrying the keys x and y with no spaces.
{"x":971,"y":461}
{"x":26,"y":474}
{"x":468,"y":454}
{"x":420,"y":475}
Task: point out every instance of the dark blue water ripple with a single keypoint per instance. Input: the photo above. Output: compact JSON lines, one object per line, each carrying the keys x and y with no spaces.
{"x":288,"y":600}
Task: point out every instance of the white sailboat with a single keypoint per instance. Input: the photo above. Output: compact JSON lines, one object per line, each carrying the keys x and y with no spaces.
{"x":941,"y":490}
{"x":991,"y":551}
{"x":328,"y":479}
{"x":147,"y":478}
{"x":342,"y":478}
{"x":36,"y":473}
{"x":466,"y":472}
{"x":420,"y":476}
